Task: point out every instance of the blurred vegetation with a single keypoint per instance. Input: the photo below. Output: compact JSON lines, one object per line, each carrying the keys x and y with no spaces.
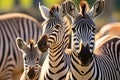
{"x":30,"y":7}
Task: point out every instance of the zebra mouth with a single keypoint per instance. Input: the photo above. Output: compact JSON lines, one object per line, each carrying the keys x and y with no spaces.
{"x":85,"y":55}
{"x":31,"y":73}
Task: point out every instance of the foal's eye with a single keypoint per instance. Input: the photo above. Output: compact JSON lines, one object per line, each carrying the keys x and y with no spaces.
{"x":73,"y":29}
{"x":25,"y":58}
{"x":37,"y":59}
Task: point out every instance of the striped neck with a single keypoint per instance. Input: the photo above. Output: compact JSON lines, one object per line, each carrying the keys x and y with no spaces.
{"x":57,"y":63}
{"x":78,"y":71}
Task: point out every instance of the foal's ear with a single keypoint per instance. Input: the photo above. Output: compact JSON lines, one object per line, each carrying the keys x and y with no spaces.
{"x":21,"y":44}
{"x":45,"y":12}
{"x":97,"y":8}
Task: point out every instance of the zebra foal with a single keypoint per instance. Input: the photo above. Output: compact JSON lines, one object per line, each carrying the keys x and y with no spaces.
{"x":31,"y":55}
{"x":56,"y":27}
{"x":15,"y":25}
{"x":87,"y":63}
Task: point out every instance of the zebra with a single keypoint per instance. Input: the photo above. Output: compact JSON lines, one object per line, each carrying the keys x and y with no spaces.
{"x":15,"y":25}
{"x":88,"y":62}
{"x":56,"y":27}
{"x":31,"y":55}
{"x":109,"y":29}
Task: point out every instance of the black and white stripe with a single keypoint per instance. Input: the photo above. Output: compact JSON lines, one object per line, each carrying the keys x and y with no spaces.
{"x":12,"y":26}
{"x":56,"y":28}
{"x":103,"y":64}
{"x":31,"y":55}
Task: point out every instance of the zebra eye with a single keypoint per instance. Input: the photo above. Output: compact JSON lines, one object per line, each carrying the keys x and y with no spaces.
{"x":37,"y":59}
{"x":73,"y":29}
{"x":57,"y":27}
{"x":25,"y":58}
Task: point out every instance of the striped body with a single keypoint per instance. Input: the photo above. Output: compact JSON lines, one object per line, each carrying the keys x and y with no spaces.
{"x":87,"y":63}
{"x":56,"y":28}
{"x":13,"y":26}
{"x":105,"y":63}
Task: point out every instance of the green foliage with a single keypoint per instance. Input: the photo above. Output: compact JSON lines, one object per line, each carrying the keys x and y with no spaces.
{"x":26,"y":3}
{"x":6,"y":4}
{"x":117,"y":3}
{"x":50,"y":3}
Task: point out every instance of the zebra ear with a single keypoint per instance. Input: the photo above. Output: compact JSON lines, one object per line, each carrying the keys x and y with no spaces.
{"x":45,"y":12}
{"x":97,"y":8}
{"x":71,"y":9}
{"x":62,"y":10}
{"x":42,"y":43}
{"x":21,"y":44}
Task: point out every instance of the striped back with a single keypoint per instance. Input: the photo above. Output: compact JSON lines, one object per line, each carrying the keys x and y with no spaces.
{"x":109,"y":29}
{"x":12,"y":26}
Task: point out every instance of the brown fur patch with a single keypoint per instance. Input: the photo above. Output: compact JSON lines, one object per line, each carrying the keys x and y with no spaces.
{"x":84,"y":6}
{"x":31,"y":42}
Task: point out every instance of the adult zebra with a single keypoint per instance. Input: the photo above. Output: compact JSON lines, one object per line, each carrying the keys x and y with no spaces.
{"x":56,"y":27}
{"x":12,"y":26}
{"x":104,"y":64}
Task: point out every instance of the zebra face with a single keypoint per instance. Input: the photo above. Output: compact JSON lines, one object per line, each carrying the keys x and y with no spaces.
{"x":83,"y":32}
{"x":31,"y":55}
{"x":53,"y":16}
{"x":31,"y":65}
{"x":83,"y":27}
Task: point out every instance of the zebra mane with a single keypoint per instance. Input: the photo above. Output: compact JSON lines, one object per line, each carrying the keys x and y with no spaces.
{"x":54,"y":10}
{"x":84,"y":6}
{"x":31,"y":43}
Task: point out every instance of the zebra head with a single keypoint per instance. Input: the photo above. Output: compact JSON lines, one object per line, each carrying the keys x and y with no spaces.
{"x":83,"y":27}
{"x":57,"y":36}
{"x":31,"y":54}
{"x":53,"y":16}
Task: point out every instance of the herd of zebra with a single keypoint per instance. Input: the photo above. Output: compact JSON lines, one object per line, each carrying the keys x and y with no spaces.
{"x":24,"y":41}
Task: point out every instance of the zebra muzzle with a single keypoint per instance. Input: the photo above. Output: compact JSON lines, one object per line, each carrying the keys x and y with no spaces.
{"x":31,"y":73}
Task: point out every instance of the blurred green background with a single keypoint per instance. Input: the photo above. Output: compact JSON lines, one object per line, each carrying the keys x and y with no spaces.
{"x":30,"y":7}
